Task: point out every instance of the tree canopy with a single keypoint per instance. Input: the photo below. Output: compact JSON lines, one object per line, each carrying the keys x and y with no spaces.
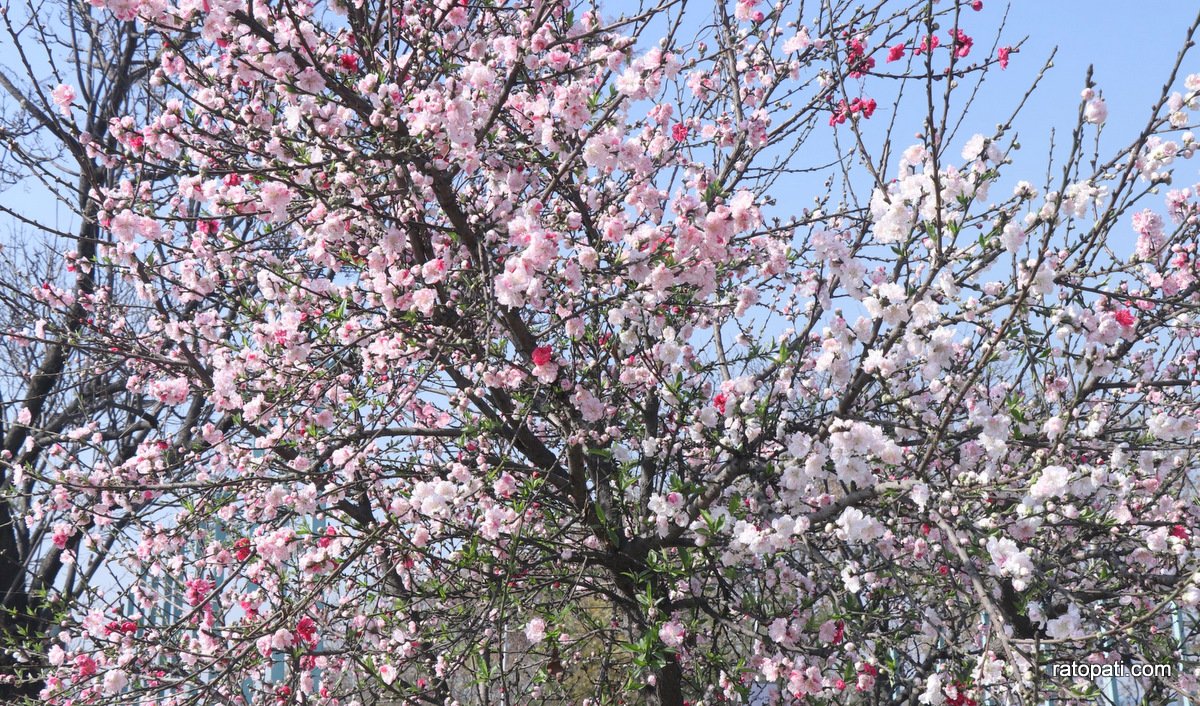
{"x":535,"y":351}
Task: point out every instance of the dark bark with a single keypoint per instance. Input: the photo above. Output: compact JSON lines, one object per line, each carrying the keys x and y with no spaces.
{"x":668,"y":690}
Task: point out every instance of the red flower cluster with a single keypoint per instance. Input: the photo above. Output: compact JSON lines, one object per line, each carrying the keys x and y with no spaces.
{"x":306,"y":630}
{"x":844,"y":110}
{"x":857,"y":61}
{"x":542,"y":355}
{"x":127,"y":627}
{"x":929,"y":43}
{"x":962,"y":43}
{"x":960,"y":698}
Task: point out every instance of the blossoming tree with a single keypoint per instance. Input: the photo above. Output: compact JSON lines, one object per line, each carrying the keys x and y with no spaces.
{"x":496,"y":363}
{"x":63,"y":406}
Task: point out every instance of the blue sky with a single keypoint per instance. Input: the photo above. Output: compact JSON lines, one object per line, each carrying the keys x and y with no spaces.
{"x":1131,"y":44}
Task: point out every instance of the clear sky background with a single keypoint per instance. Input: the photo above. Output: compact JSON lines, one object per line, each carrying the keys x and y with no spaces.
{"x":1131,"y":44}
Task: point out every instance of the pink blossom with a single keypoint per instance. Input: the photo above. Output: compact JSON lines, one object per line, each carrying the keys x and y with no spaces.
{"x":306,"y":630}
{"x":275,"y":199}
{"x":928,"y":43}
{"x":466,"y":320}
{"x":424,"y":300}
{"x":535,"y":630}
{"x":961,"y":43}
{"x":672,"y":633}
{"x":1003,"y":54}
{"x":63,"y":96}
{"x":170,"y":391}
{"x":198,"y":591}
{"x":542,"y":355}
{"x":1096,"y":111}
{"x":115,"y":681}
{"x":282,"y":639}
{"x":505,"y":485}
{"x":62,"y":533}
{"x":85,"y":666}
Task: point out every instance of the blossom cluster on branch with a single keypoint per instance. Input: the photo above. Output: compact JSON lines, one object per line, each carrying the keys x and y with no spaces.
{"x":489,"y":357}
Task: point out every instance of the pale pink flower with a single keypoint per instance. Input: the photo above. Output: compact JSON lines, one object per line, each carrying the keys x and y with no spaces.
{"x":672,"y":634}
{"x":1096,"y":111}
{"x":535,"y":630}
{"x":424,"y":300}
{"x":63,"y":96}
{"x":115,"y":681}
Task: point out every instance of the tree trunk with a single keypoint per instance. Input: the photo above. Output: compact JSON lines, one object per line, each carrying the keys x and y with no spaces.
{"x":668,"y":691}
